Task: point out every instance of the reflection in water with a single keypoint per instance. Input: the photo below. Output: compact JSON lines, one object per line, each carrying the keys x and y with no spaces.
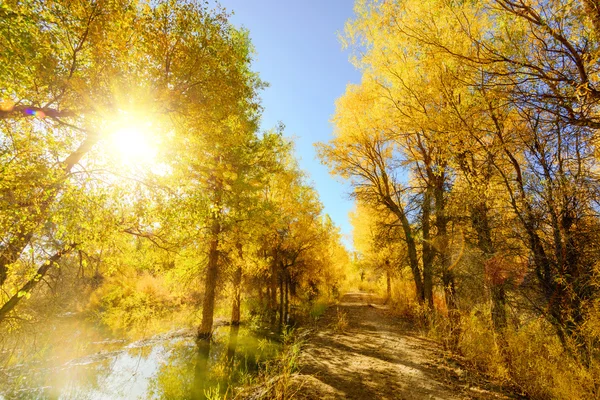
{"x":201,"y":373}
{"x":81,"y":363}
{"x":231,"y":346}
{"x":223,"y":364}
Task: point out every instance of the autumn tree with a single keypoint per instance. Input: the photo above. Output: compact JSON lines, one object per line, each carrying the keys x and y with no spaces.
{"x":482,"y":116}
{"x":377,"y":238}
{"x":536,"y":87}
{"x":104,"y":62}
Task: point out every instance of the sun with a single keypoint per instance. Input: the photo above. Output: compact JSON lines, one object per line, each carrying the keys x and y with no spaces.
{"x":134,"y":140}
{"x":134,"y":143}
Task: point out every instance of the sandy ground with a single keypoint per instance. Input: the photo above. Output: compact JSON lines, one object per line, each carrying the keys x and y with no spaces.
{"x":378,"y":357}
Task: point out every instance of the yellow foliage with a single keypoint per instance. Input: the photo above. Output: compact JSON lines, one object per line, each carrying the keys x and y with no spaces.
{"x":543,"y":369}
{"x":133,"y":304}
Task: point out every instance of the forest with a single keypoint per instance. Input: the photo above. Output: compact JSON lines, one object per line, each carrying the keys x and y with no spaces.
{"x":156,"y":241}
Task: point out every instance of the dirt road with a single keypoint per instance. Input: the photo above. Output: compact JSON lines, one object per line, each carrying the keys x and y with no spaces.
{"x":377,"y":357}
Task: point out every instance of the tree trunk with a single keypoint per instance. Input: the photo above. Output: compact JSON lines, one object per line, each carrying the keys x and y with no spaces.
{"x":286,"y":313}
{"x":281,"y":299}
{"x":261,"y":296}
{"x":25,"y":231}
{"x":237,"y":296}
{"x":481,"y":225}
{"x":237,"y":289}
{"x":388,"y":286}
{"x":235,"y":311}
{"x":208,"y":307}
{"x":428,"y":249}
{"x":443,"y":248}
{"x":210,"y":283}
{"x":25,"y":289}
{"x":289,"y":294}
{"x":273,"y":292}
{"x":29,"y":110}
{"x":498,"y":307}
{"x":12,"y":251}
{"x":411,"y":246}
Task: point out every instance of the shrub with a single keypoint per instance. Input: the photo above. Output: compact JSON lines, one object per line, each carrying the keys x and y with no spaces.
{"x":131,"y":303}
{"x":340,"y":323}
{"x":478,"y":343}
{"x":542,"y":368}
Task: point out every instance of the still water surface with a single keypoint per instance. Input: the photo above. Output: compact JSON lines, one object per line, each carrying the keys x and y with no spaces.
{"x":74,"y":360}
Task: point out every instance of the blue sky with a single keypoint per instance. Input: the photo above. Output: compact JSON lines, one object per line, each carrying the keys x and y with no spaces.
{"x":299,"y":54}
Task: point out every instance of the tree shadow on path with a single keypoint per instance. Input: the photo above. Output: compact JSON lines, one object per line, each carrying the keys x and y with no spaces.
{"x":375,"y":357}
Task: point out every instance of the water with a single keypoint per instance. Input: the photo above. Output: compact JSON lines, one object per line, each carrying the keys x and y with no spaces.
{"x":73,"y":360}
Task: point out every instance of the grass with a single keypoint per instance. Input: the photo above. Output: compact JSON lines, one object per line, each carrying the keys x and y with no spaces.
{"x":276,"y":381}
{"x":317,"y":310}
{"x":529,"y":358}
{"x":340,"y":322}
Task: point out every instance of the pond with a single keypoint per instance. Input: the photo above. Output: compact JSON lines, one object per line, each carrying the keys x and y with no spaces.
{"x":74,"y":360}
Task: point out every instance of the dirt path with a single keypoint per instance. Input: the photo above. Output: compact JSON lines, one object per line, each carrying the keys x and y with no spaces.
{"x":376,"y":357}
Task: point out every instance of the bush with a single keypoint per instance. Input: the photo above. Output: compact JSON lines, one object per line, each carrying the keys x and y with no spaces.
{"x":478,"y":343}
{"x":529,"y":357}
{"x":317,"y":309}
{"x":340,"y":322}
{"x":532,"y":358}
{"x":129,"y":304}
{"x":542,"y":368}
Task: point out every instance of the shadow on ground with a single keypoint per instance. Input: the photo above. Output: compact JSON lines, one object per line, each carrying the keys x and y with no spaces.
{"x":375,"y":357}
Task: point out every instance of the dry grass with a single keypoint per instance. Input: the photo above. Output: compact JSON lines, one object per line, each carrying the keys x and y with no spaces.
{"x":277,"y":381}
{"x":340,"y":322}
{"x":530,"y":358}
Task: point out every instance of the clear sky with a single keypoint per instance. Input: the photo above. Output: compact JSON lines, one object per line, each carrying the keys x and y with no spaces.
{"x":299,"y":54}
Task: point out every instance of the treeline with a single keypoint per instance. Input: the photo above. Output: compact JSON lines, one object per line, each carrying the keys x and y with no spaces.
{"x":471,"y":144}
{"x":207,"y":208}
